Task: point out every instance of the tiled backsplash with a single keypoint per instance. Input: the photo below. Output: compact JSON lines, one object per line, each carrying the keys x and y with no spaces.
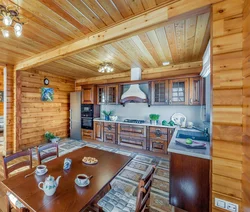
{"x":196,"y":114}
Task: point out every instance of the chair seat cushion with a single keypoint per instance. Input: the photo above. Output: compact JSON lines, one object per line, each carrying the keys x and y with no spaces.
{"x":14,"y":200}
{"x":117,"y":200}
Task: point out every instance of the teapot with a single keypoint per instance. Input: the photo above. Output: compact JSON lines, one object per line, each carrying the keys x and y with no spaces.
{"x":50,"y":185}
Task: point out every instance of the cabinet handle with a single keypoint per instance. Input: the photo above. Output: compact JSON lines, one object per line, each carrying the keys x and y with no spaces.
{"x":191,"y":101}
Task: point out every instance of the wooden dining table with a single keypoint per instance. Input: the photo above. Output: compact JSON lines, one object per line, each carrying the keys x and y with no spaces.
{"x":68,"y":196}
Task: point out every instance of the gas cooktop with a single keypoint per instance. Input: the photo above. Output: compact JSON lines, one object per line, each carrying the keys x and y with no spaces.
{"x":137,"y":121}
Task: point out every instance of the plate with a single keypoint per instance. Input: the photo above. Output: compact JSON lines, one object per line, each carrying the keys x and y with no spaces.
{"x":40,"y":174}
{"x":83,"y":185}
{"x":84,"y":160}
{"x":178,"y":118}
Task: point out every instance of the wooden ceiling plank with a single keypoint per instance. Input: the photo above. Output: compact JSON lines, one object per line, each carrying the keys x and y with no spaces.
{"x":88,"y":13}
{"x":76,"y":14}
{"x":170,"y":31}
{"x":112,"y":10}
{"x":16,"y":49}
{"x":155,"y":42}
{"x":201,"y":27}
{"x":135,"y":5}
{"x":48,"y":15}
{"x":57,"y":9}
{"x":163,"y":1}
{"x":180,"y":37}
{"x":144,"y":51}
{"x":148,"y":4}
{"x":134,"y":63}
{"x":162,"y":38}
{"x":31,"y":17}
{"x":190,"y":37}
{"x":144,"y":38}
{"x":123,"y":8}
{"x":100,"y":11}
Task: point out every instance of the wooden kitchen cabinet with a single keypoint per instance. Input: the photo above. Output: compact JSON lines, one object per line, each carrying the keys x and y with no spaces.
{"x":98,"y":130}
{"x":107,"y":94}
{"x":132,"y":136}
{"x":196,"y":91}
{"x":87,"y":134}
{"x":189,"y":183}
{"x":110,"y":132}
{"x":170,"y":134}
{"x":159,"y":92}
{"x":89,"y":94}
{"x":178,"y":91}
{"x":158,"y":138}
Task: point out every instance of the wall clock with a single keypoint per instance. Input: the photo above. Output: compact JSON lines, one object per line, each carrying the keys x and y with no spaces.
{"x":46,"y":81}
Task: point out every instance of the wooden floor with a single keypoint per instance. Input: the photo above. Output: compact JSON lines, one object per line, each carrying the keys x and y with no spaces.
{"x":3,"y":192}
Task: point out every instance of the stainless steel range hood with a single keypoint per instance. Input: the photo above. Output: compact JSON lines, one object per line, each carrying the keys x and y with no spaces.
{"x":134,"y":93}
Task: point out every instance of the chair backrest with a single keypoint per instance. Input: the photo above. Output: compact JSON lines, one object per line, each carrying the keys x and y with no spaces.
{"x":144,"y":188}
{"x":19,"y":164}
{"x":43,"y":156}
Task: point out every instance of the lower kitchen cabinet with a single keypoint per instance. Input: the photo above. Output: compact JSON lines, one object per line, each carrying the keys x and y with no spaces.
{"x":158,"y":139}
{"x":87,"y":134}
{"x":135,"y":142}
{"x":98,"y":130}
{"x":109,"y":137}
{"x":189,"y":183}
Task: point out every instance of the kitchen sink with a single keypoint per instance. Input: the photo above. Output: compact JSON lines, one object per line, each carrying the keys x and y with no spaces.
{"x":200,"y":136}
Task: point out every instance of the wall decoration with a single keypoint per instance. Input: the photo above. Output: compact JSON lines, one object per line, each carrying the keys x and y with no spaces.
{"x":1,"y":96}
{"x":47,"y":94}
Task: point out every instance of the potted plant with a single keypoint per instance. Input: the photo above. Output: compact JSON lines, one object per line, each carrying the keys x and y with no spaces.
{"x":154,"y":118}
{"x":107,"y":114}
{"x":51,"y":137}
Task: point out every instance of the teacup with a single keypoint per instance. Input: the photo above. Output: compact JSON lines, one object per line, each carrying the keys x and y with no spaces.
{"x":40,"y":169}
{"x":82,"y":179}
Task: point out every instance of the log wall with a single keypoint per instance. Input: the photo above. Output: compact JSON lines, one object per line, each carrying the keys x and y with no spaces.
{"x":37,"y":116}
{"x":227,"y":101}
{"x":1,"y":89}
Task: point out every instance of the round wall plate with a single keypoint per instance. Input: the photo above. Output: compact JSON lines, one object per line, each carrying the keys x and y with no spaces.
{"x":46,"y":81}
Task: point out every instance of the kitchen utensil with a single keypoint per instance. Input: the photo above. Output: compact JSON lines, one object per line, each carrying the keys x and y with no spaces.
{"x":30,"y":174}
{"x":178,"y":118}
{"x":50,"y":185}
{"x":190,"y":124}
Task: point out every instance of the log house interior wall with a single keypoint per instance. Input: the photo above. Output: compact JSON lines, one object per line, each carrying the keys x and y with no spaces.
{"x":246,"y":108}
{"x":37,"y":116}
{"x":1,"y":89}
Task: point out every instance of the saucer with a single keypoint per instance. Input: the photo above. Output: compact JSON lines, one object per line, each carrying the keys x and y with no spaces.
{"x":40,"y":174}
{"x":83,"y":185}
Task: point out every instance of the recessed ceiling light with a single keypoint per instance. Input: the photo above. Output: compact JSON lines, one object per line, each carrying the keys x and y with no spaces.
{"x":166,"y":63}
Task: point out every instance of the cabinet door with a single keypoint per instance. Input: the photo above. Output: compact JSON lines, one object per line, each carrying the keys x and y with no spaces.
{"x":159,"y":92}
{"x":196,"y":95}
{"x":101,"y":95}
{"x":87,"y":134}
{"x":98,"y":131}
{"x":178,"y":91}
{"x":109,"y":137}
{"x":88,"y":93}
{"x":112,"y":94}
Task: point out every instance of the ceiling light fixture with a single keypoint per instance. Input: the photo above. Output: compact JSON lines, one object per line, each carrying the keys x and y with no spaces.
{"x":166,"y":63}
{"x":106,"y":67}
{"x":9,"y":15}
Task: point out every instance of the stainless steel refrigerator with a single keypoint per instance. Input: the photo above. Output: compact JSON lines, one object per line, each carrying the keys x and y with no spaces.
{"x":75,"y":115}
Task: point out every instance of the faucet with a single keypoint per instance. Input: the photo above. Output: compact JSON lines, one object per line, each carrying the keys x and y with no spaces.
{"x":205,"y":130}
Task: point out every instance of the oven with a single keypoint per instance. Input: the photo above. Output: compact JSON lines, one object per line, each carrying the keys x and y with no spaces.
{"x":87,"y":123}
{"x":87,"y":116}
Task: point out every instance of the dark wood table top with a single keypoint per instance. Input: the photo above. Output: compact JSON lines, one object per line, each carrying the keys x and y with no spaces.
{"x":68,"y":196}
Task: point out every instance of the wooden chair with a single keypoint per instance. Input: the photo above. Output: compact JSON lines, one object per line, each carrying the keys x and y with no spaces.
{"x":11,"y":199}
{"x":43,"y":156}
{"x":117,"y":199}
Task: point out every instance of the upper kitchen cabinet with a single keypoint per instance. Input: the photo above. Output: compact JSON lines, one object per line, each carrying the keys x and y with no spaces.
{"x":107,"y":94}
{"x":178,"y":91}
{"x":196,"y":91}
{"x":159,"y":92}
{"x":89,"y":94}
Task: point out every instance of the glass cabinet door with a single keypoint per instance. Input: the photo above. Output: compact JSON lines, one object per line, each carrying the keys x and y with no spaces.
{"x":160,"y":92}
{"x":112,"y":94}
{"x":178,"y":91}
{"x":101,"y":95}
{"x":196,"y":91}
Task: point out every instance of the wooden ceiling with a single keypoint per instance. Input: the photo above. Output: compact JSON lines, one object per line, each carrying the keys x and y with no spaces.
{"x":178,"y":42}
{"x":54,"y":22}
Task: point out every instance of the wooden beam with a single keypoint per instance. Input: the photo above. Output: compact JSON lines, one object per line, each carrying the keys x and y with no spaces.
{"x":135,"y":25}
{"x":149,"y":73}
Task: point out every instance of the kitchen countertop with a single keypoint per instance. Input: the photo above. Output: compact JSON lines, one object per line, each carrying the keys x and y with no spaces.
{"x":143,"y":124}
{"x":199,"y":153}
